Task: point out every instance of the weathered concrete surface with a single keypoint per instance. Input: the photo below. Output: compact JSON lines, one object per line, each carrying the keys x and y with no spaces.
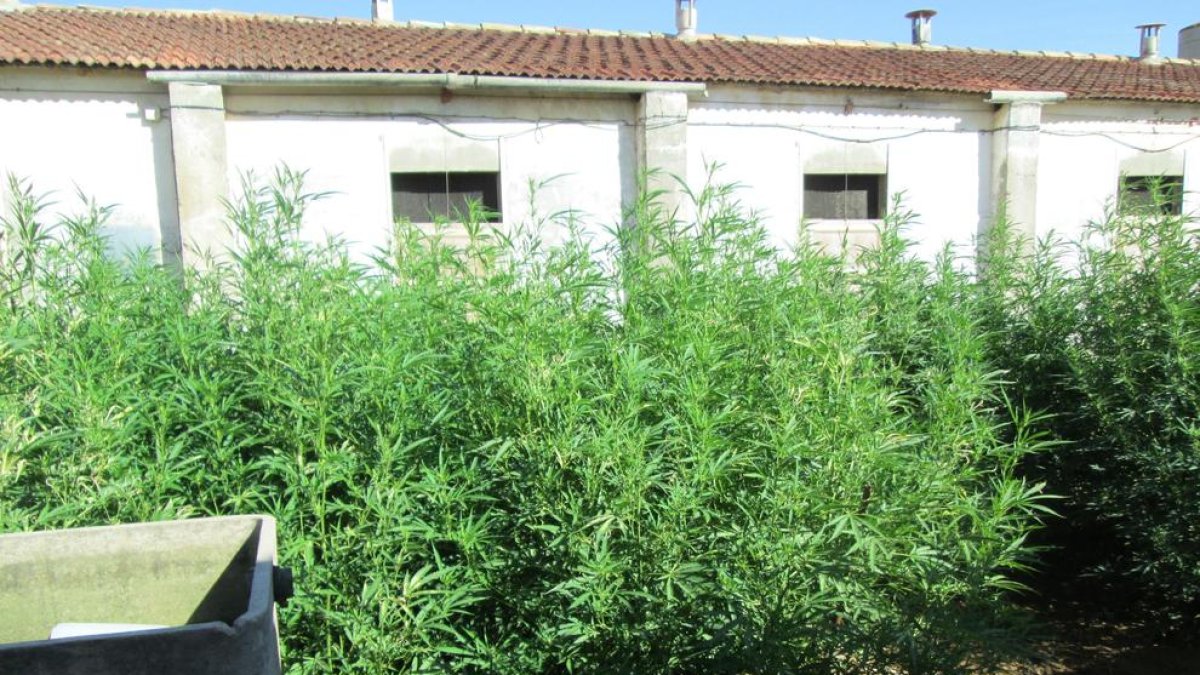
{"x":1015,"y":154}
{"x":663,"y":145}
{"x":210,"y":580}
{"x":201,"y":171}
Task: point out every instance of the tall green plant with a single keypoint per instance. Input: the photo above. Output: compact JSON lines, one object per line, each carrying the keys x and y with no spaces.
{"x":516,"y":457}
{"x":1104,"y":338}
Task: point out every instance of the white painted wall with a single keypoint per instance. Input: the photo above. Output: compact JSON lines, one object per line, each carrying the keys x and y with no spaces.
{"x":1083,"y":145}
{"x":936,"y":152}
{"x":67,"y":129}
{"x":64,"y":128}
{"x":578,"y":152}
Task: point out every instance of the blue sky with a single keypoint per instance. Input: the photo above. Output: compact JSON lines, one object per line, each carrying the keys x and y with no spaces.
{"x":1104,"y":26}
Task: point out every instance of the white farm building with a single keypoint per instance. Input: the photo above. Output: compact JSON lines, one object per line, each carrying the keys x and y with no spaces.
{"x":162,"y":112}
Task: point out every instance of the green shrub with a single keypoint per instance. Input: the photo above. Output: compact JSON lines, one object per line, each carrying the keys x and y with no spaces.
{"x":682,"y":453}
{"x":1105,"y":337}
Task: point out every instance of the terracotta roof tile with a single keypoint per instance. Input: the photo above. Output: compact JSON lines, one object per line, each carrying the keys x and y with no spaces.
{"x":228,"y":41}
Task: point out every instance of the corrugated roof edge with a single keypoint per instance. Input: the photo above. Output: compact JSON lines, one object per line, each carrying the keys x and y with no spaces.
{"x":551,"y":30}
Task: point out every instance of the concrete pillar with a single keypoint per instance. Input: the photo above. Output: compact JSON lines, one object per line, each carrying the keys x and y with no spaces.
{"x":201,"y":172}
{"x":1015,"y":152}
{"x":662,"y":145}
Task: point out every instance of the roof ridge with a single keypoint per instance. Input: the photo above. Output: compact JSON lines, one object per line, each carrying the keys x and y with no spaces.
{"x":783,"y":40}
{"x":215,"y":13}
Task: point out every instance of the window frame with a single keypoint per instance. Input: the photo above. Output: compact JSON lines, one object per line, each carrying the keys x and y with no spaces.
{"x":877,"y":195}
{"x":1169,"y":187}
{"x":452,"y":210}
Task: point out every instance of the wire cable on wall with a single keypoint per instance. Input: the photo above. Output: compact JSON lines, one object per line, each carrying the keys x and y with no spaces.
{"x":540,"y":124}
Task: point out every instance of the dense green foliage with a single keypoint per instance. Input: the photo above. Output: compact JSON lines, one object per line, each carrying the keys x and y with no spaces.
{"x":1104,"y":336}
{"x":683,"y":453}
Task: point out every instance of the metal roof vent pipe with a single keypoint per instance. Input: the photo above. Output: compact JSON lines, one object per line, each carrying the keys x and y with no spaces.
{"x":685,"y":19}
{"x":383,"y":10}
{"x":1189,"y":42}
{"x":1150,"y":33}
{"x":922,"y":25}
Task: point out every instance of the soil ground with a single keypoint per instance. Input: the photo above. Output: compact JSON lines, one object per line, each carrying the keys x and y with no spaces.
{"x":1077,"y":641}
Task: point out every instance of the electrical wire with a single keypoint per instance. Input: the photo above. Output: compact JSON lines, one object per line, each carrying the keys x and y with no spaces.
{"x":1118,"y":141}
{"x":540,"y":124}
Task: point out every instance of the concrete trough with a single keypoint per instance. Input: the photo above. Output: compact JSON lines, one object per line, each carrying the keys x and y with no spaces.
{"x":194,"y":597}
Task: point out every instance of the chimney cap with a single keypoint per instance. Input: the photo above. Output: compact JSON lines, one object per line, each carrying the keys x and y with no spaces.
{"x":1150,"y":42}
{"x":1150,"y":29}
{"x":922,"y":26}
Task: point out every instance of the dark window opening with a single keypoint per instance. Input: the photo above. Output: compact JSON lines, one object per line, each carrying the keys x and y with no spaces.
{"x":429,"y":197}
{"x":845,"y":196}
{"x":1151,"y":194}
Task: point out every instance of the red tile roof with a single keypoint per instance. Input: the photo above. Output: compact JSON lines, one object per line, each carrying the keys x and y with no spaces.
{"x":227,"y":41}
